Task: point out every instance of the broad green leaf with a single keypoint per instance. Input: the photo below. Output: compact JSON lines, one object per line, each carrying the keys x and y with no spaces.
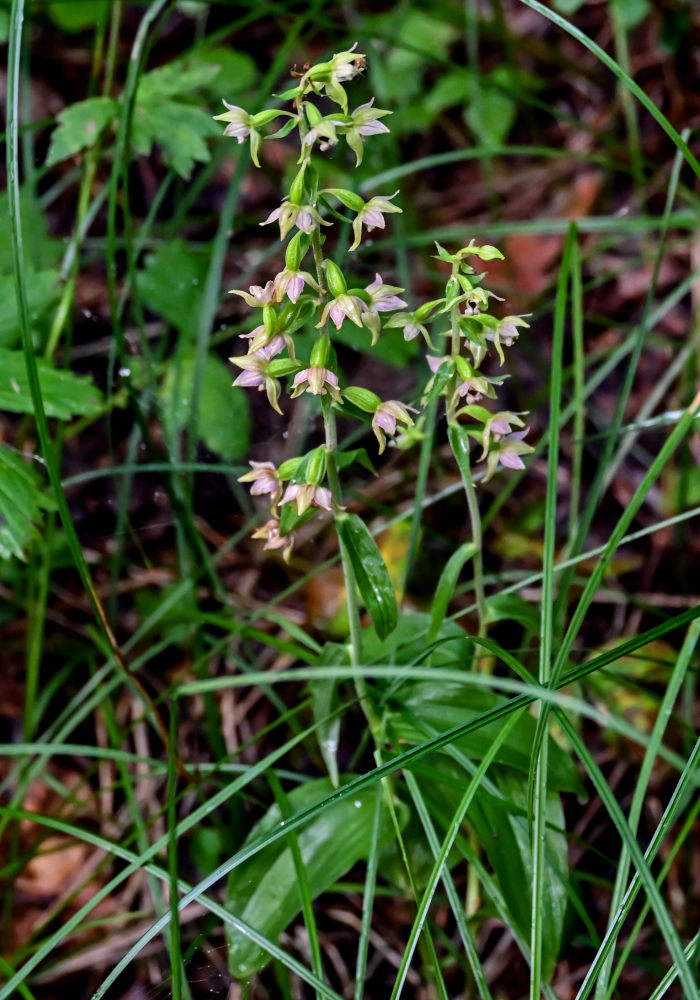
{"x":446,"y":585}
{"x":491,"y":112}
{"x":179,"y":129}
{"x":408,"y":644}
{"x":76,"y":15}
{"x":21,"y":501}
{"x":423,"y":708}
{"x":264,"y":892}
{"x":223,"y":414}
{"x":371,"y":574}
{"x":568,"y":7}
{"x":65,"y":395}
{"x":41,"y":251}
{"x":42,"y":293}
{"x":630,"y":12}
{"x":451,"y":89}
{"x":501,"y":826}
{"x":237,"y":71}
{"x":172,"y":281}
{"x":512,"y":607}
{"x":504,"y":834}
{"x":323,"y":702}
{"x":419,"y":35}
{"x":175,"y":79}
{"x":79,"y":126}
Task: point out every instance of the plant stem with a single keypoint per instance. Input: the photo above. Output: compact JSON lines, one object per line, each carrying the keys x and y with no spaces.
{"x":472,"y":504}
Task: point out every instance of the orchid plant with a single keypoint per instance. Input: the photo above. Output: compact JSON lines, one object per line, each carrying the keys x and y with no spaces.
{"x":313,"y":290}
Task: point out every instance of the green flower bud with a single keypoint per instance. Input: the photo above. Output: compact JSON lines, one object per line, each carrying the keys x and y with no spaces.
{"x":335,"y":279}
{"x":296,"y":191}
{"x":281,"y":367}
{"x":288,"y":469}
{"x":363,"y":399}
{"x":316,"y":465}
{"x":320,"y":353}
{"x":296,"y":249}
{"x":265,"y":117}
{"x":348,"y":198}
{"x":269,"y":320}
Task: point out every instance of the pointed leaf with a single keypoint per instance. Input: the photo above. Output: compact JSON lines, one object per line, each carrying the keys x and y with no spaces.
{"x":371,"y":574}
{"x":264,"y":892}
{"x":446,"y":586}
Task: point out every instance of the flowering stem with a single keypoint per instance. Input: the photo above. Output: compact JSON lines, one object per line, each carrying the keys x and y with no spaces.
{"x":333,"y":478}
{"x":475,"y":518}
{"x":472,"y":506}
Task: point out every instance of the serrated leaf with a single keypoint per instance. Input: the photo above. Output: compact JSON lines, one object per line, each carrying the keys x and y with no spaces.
{"x":179,"y":129}
{"x":408,"y":643}
{"x":42,"y":293}
{"x":491,"y":112}
{"x":176,"y":79}
{"x":223,"y":419}
{"x":79,"y":127}
{"x":171,"y":283}
{"x":512,"y":607}
{"x":21,"y":501}
{"x":40,"y":250}
{"x":237,"y":71}
{"x":264,"y":892}
{"x":371,"y":574}
{"x":64,"y":394}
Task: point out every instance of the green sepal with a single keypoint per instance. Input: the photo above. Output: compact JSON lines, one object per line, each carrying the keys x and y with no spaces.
{"x":371,"y":575}
{"x":290,"y":520}
{"x":313,"y":115}
{"x":283,"y":130}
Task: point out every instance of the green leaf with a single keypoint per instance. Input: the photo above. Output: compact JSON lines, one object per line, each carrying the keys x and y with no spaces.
{"x":631,"y":13}
{"x":371,"y":574}
{"x":501,"y":826}
{"x":76,"y":15}
{"x":223,"y":418}
{"x":21,"y":502}
{"x":65,"y":395}
{"x":264,"y":892}
{"x":424,"y":708}
{"x":504,"y":834}
{"x":179,"y":129}
{"x":41,"y":252}
{"x":42,"y":293}
{"x":79,"y":127}
{"x":408,"y":643}
{"x":512,"y":607}
{"x":446,"y":586}
{"x":172,"y":281}
{"x":451,"y":89}
{"x":176,"y":79}
{"x":236,"y":71}
{"x":491,"y":112}
{"x":323,"y":702}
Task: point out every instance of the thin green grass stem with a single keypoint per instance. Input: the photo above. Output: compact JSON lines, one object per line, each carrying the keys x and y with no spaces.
{"x":368,"y":894}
